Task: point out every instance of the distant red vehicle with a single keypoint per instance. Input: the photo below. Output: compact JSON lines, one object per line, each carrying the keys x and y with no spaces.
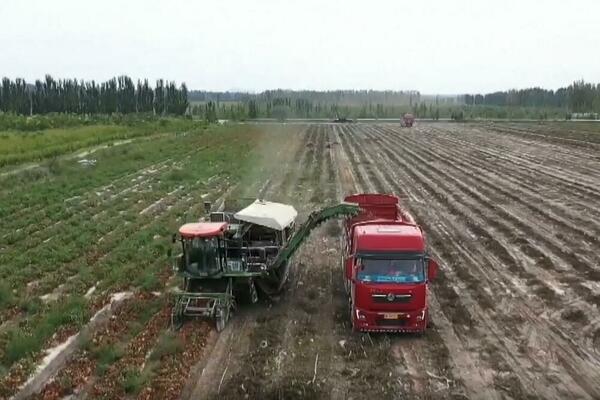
{"x":408,"y":120}
{"x":387,"y":269}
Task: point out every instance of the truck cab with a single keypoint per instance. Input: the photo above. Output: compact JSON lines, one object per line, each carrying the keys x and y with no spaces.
{"x":387,"y":269}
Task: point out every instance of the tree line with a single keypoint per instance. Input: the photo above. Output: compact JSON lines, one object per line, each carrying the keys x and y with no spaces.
{"x":579,"y":97}
{"x":341,"y":97}
{"x":116,"y":95}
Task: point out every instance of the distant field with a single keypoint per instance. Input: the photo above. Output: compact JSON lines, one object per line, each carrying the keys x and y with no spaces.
{"x":511,"y":210}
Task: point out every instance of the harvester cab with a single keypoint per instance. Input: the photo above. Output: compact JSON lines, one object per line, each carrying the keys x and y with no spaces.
{"x":201,"y":247}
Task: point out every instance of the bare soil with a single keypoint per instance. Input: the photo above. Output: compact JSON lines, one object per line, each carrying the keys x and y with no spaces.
{"x":513,"y":215}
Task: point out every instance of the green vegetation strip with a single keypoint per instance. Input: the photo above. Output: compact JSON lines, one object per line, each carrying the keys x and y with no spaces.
{"x":19,"y":146}
{"x":134,"y":253}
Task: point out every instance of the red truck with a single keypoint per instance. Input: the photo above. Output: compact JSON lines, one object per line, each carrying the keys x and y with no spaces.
{"x":387,"y":269}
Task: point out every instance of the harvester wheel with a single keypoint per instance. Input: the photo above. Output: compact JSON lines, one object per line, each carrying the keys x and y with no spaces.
{"x":177,"y":316}
{"x":253,"y":292}
{"x":221,"y":318}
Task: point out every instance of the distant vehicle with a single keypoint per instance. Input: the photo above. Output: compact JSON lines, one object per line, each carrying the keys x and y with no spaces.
{"x":342,"y":120}
{"x":408,"y":120}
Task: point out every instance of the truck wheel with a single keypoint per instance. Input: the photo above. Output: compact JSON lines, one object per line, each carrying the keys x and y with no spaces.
{"x":352,"y":324}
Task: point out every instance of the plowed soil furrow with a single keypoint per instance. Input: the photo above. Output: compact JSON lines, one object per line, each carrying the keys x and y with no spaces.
{"x":543,"y":135}
{"x":487,"y":191}
{"x":428,"y":367}
{"x":290,"y":177}
{"x":537,"y":171}
{"x":303,"y":340}
{"x":473,"y":208}
{"x":442,"y":361}
{"x":577,"y":159}
{"x":358,"y":170}
{"x":515,"y":190}
{"x":394,"y":371}
{"x":557,"y":193}
{"x":413,"y":165}
{"x":465,"y":323}
{"x":580,"y":263}
{"x":346,"y":176}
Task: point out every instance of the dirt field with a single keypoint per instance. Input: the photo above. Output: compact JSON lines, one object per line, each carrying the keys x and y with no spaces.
{"x":514,"y":219}
{"x":512,"y":212}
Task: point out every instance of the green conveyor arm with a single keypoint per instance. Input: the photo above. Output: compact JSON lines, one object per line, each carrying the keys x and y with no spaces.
{"x":314,"y":220}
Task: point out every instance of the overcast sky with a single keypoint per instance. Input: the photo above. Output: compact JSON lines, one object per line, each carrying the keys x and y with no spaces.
{"x":433,"y":46}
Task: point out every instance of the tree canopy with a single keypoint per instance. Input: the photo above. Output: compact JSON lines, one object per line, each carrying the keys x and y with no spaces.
{"x":117,"y":95}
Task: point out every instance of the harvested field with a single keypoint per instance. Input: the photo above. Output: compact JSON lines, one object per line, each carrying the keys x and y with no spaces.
{"x":512,"y":211}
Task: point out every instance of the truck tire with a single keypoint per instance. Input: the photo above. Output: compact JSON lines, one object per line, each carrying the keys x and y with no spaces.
{"x":352,"y":324}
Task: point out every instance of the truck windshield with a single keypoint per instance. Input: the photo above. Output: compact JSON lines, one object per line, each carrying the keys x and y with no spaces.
{"x":390,"y":270}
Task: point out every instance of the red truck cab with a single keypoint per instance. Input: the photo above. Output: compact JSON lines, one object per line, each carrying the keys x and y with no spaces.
{"x":387,"y":269}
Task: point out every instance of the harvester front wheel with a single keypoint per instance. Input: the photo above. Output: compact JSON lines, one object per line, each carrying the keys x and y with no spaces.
{"x":177,"y":316}
{"x":221,"y":318}
{"x":253,"y":292}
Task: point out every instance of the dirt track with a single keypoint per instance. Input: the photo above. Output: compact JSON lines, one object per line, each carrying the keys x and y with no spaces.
{"x":514,"y":217}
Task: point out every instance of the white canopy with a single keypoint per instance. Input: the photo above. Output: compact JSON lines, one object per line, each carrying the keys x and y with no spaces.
{"x":265,"y":213}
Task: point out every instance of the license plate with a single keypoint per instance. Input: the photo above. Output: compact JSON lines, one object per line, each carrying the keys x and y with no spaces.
{"x":391,"y":316}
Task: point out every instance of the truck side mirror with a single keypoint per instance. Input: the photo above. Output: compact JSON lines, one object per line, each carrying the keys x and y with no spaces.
{"x":432,"y":269}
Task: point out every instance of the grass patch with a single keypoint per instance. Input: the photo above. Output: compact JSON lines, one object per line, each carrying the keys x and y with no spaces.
{"x":24,"y":341}
{"x":20,"y":344}
{"x":178,"y":175}
{"x":149,"y":281}
{"x":6,"y":295}
{"x":168,"y":344}
{"x":134,"y":380}
{"x":106,"y":356}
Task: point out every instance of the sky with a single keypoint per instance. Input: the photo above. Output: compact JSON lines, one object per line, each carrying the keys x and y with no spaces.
{"x":436,"y":47}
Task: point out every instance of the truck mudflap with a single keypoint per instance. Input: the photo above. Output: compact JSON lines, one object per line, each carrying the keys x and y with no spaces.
{"x":390,"y":321}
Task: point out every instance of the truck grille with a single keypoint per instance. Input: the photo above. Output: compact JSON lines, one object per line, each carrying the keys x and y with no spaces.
{"x":391,"y":298}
